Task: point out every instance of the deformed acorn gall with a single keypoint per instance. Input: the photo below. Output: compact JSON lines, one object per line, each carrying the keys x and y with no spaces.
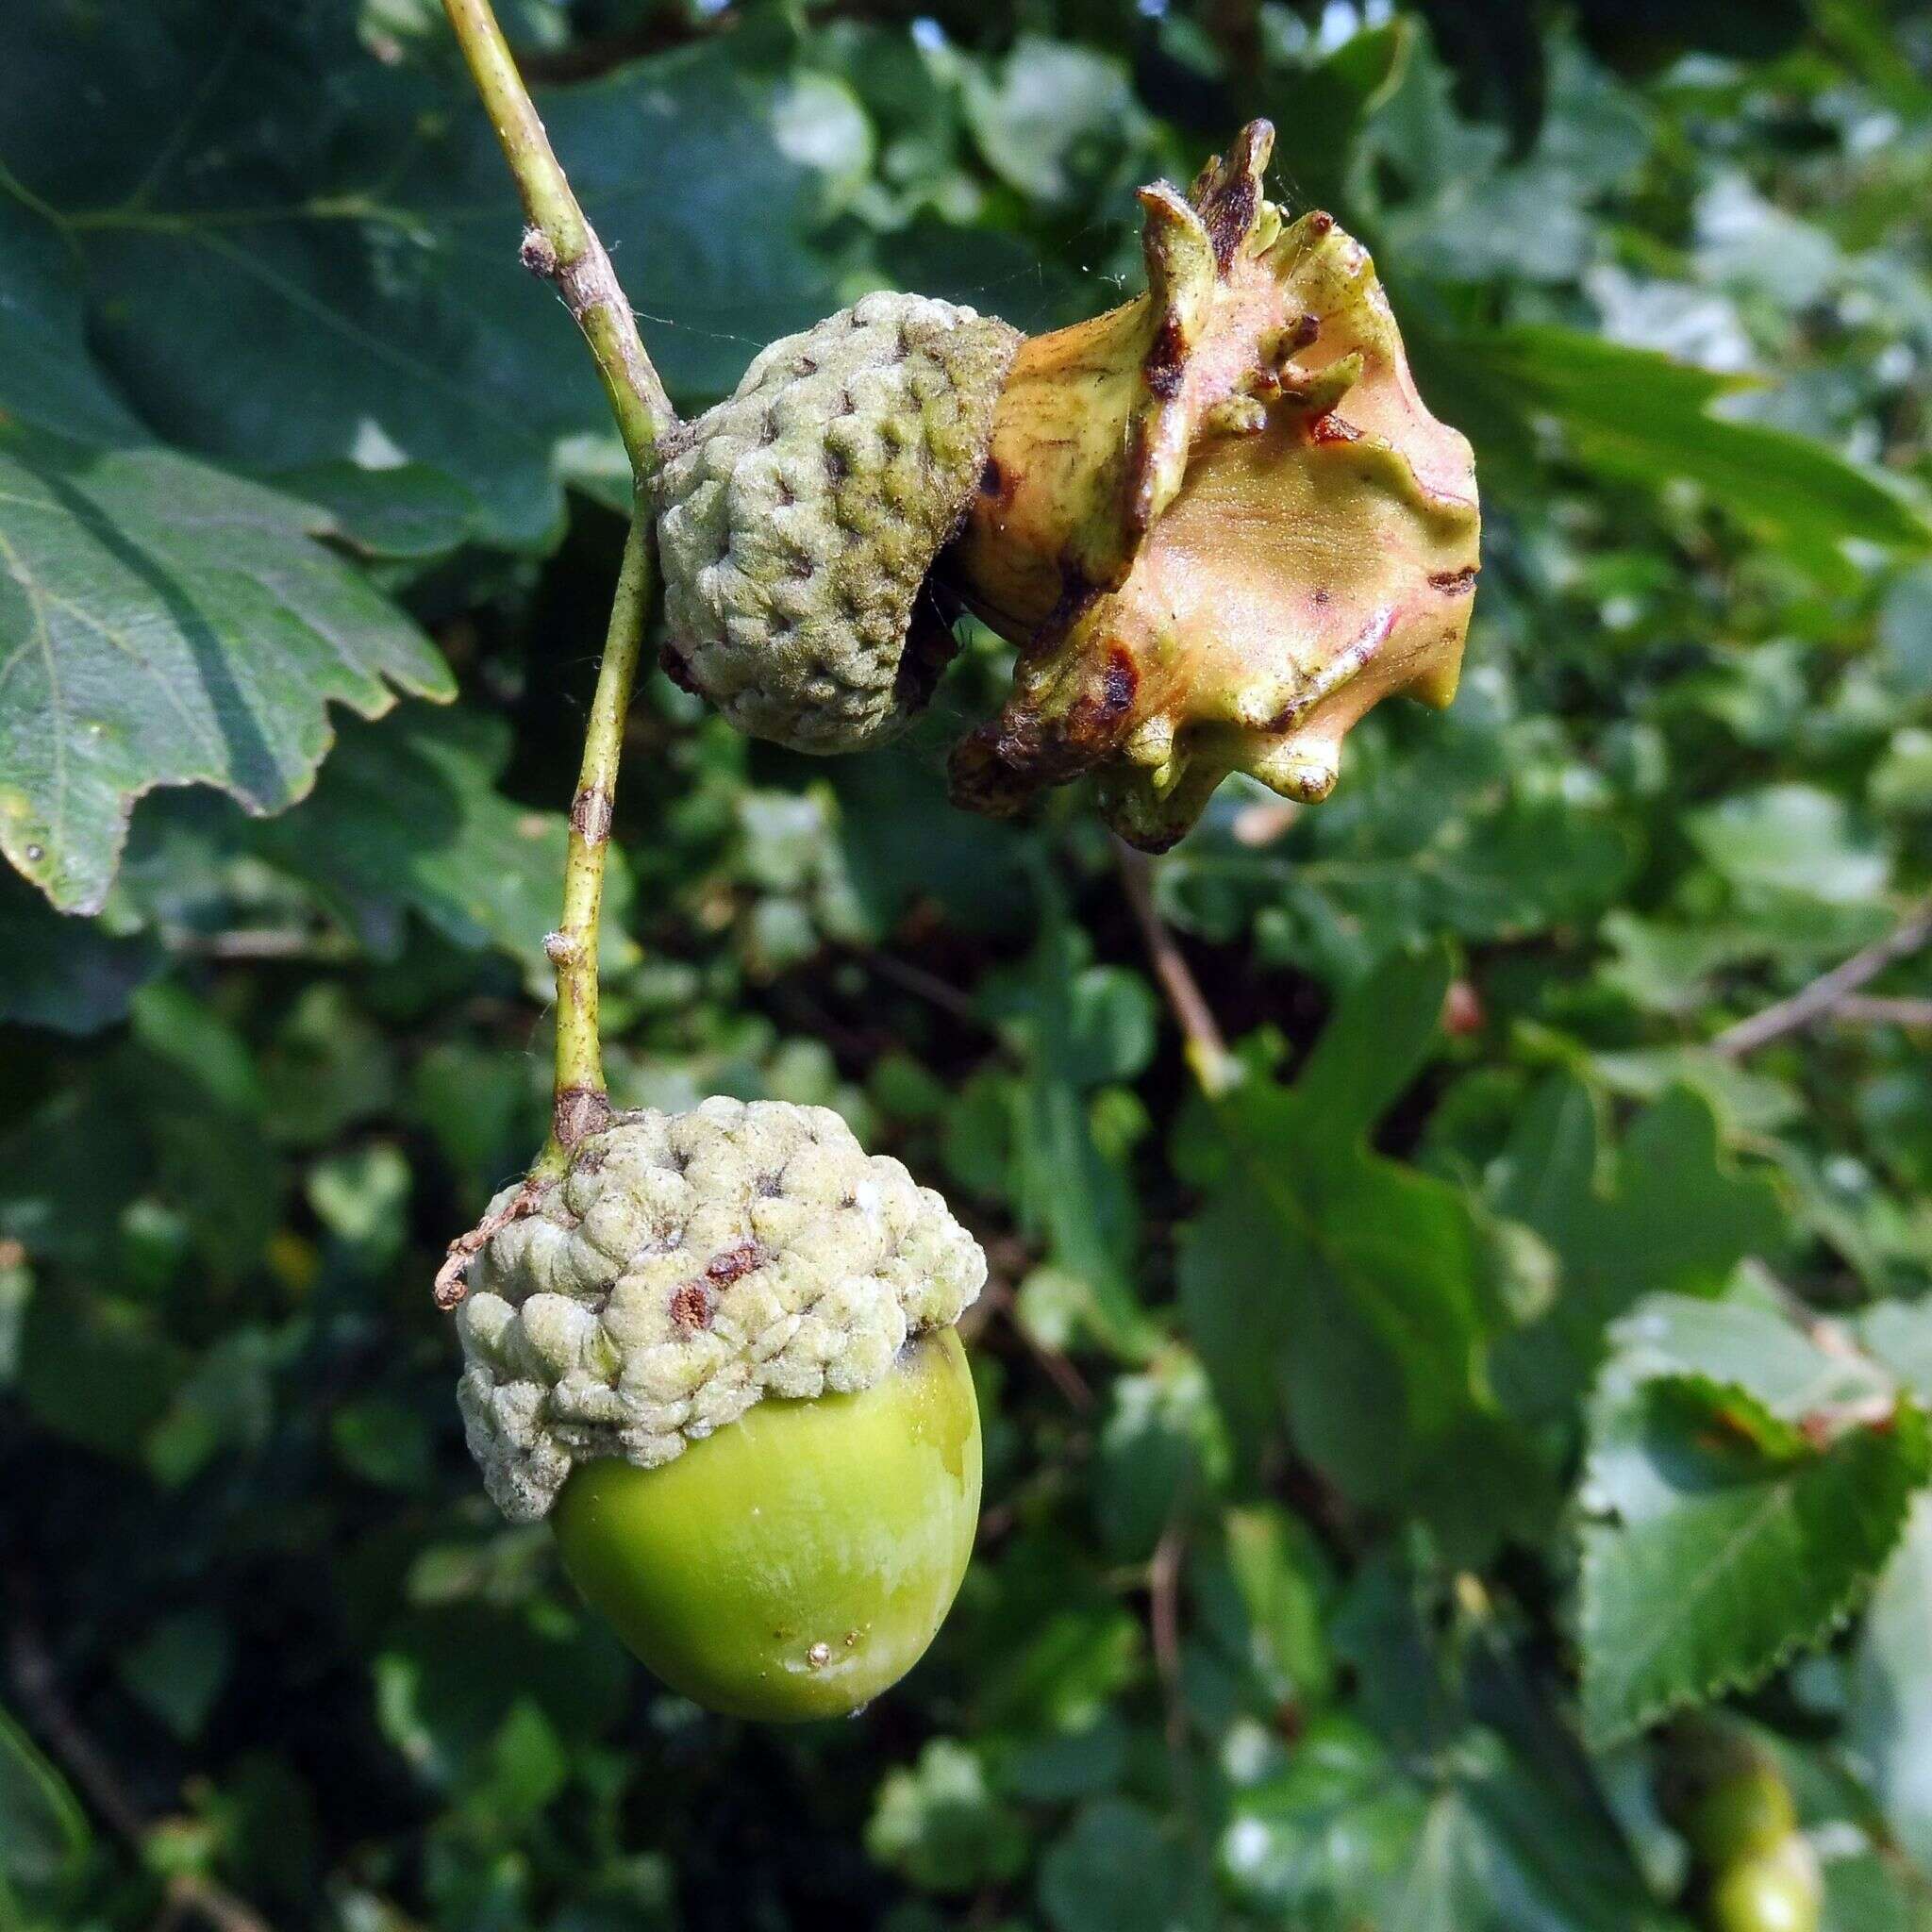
{"x":1218,"y":522}
{"x":1233,"y":525}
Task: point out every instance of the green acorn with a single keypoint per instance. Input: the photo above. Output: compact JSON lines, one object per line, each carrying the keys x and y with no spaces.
{"x":719,"y":1357}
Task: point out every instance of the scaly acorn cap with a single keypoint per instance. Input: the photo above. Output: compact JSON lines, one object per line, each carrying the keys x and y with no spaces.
{"x":797,"y":519}
{"x":1217,"y":520}
{"x":685,"y":1267}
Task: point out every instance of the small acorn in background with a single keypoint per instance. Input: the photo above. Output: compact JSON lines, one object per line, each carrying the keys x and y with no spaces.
{"x":1218,"y":522}
{"x":1757,"y":1869}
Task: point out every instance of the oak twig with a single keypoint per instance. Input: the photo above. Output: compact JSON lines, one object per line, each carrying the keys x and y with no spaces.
{"x":1164,"y":1626}
{"x":1874,"y":1010}
{"x":1207,"y":1050}
{"x":561,"y":245}
{"x":1056,"y":1365}
{"x":1828,"y":994}
{"x":928,"y":986}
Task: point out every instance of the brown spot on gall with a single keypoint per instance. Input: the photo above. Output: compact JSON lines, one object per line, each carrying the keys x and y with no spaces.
{"x":690,"y":1306}
{"x":730,"y":1264}
{"x":1227,"y":217}
{"x":1331,"y":429}
{"x":1454,"y":583}
{"x":980,"y":778}
{"x":1077,"y":595}
{"x":1097,"y":719}
{"x":1165,"y":365}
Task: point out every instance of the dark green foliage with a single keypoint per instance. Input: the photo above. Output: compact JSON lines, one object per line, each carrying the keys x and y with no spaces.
{"x":1393,"y":1462}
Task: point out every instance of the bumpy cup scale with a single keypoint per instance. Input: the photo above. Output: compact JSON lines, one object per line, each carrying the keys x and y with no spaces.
{"x":1217,"y":520}
{"x":797,"y":519}
{"x":717,"y":1355}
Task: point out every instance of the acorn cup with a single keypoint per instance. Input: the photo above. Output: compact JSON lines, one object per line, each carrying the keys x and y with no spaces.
{"x":798,"y":519}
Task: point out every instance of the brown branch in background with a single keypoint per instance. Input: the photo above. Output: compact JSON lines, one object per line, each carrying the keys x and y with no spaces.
{"x":186,"y":1895}
{"x":266,"y":943}
{"x":1206,"y":1051}
{"x":928,"y":986}
{"x":1873,"y":1010}
{"x":1164,"y":1624}
{"x":32,"y":1673}
{"x":1828,"y":994}
{"x":998,"y":1299}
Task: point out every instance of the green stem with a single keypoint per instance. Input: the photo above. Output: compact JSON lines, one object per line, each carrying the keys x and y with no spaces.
{"x":580,"y":1104}
{"x":560,"y":244}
